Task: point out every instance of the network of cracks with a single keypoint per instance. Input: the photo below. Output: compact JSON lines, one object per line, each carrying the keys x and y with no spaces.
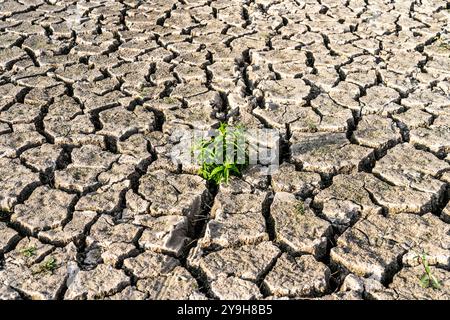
{"x":93,"y":207}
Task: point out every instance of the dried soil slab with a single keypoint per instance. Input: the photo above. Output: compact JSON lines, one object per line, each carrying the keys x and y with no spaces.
{"x":74,"y":132}
{"x":374,"y":247}
{"x":377,"y":132}
{"x":175,"y":285}
{"x":248,"y":262}
{"x":8,"y":237}
{"x":200,"y":117}
{"x":149,"y":264}
{"x":284,"y":91}
{"x":87,"y":163}
{"x":297,"y":277}
{"x":346,"y":94}
{"x":14,"y":143}
{"x":334,"y":118}
{"x":237,"y":219}
{"x":406,"y":166}
{"x":36,"y":281}
{"x":45,"y":209}
{"x":9,"y":56}
{"x":106,"y":199}
{"x":117,"y":122}
{"x":98,"y":283}
{"x":20,"y":113}
{"x":328,"y":153}
{"x":15,"y":179}
{"x":445,"y":215}
{"x":7,"y":293}
{"x":232,"y":288}
{"x":378,"y":99}
{"x":129,"y":293}
{"x":173,"y":194}
{"x":296,"y":226}
{"x":299,"y":118}
{"x":287,"y":179}
{"x":43,"y":158}
{"x":406,"y":285}
{"x":395,"y":199}
{"x":165,"y":234}
{"x":435,"y":138}
{"x":74,"y":230}
{"x":345,"y":201}
{"x":112,"y":241}
{"x":413,"y":118}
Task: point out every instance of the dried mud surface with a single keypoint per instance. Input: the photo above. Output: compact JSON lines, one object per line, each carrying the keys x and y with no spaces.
{"x":91,"y":206}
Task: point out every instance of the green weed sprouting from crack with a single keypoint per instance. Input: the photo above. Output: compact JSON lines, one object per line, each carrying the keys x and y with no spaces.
{"x":443,"y":44}
{"x":216,"y":160}
{"x":427,"y":280}
{"x":311,"y":126}
{"x":49,"y":265}
{"x":300,"y":208}
{"x":28,"y":252}
{"x":169,"y":100}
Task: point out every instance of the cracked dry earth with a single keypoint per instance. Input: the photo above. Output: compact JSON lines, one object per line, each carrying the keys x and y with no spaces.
{"x":93,"y":208}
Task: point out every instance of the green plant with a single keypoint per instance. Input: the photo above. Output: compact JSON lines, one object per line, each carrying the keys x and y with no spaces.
{"x":311,"y":126}
{"x":427,"y":280}
{"x":48,"y":265}
{"x":300,"y":208}
{"x":221,"y":155}
{"x":28,"y":252}
{"x":169,"y":100}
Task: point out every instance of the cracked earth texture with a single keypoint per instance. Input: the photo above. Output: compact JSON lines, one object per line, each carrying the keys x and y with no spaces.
{"x":91,"y":206}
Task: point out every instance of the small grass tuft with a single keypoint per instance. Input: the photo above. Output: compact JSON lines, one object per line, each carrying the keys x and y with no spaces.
{"x":169,"y":100}
{"x":300,"y":208}
{"x":427,"y":280}
{"x":216,"y":163}
{"x":28,"y":252}
{"x":48,"y":266}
